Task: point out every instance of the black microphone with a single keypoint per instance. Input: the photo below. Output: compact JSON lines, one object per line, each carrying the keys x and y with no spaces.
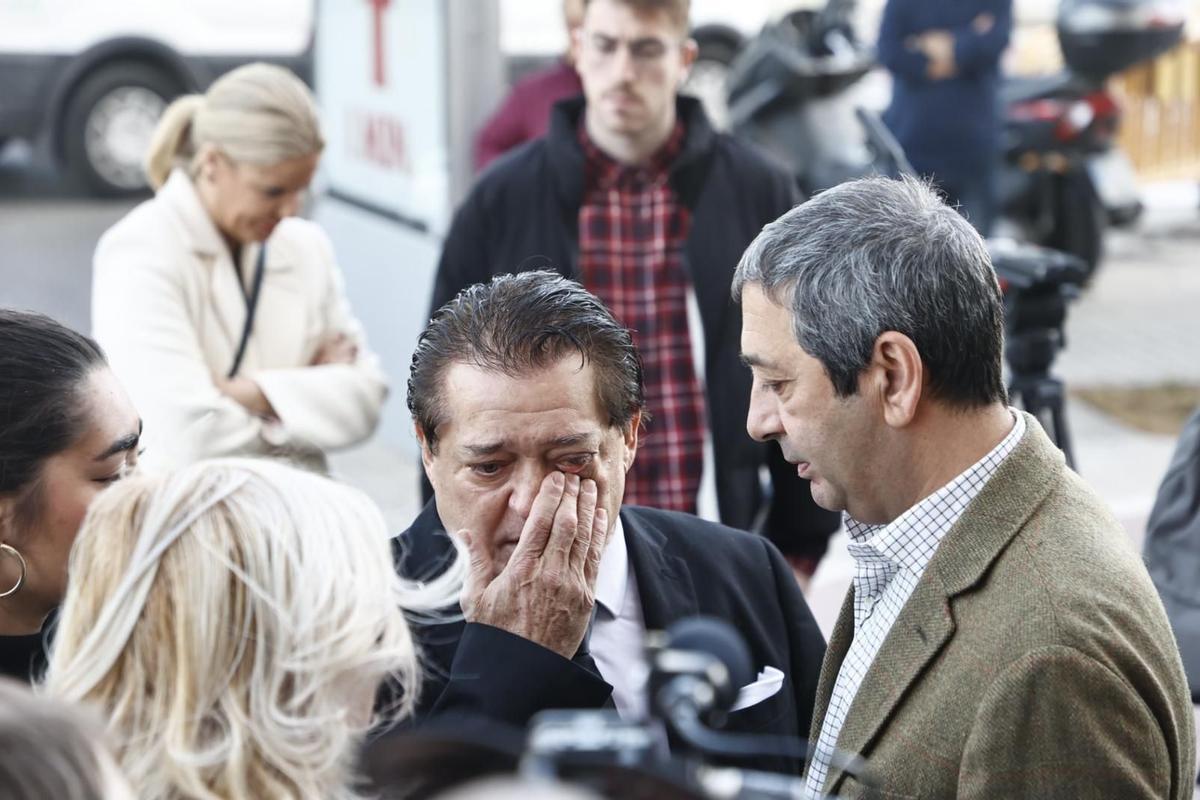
{"x":708,"y":650}
{"x":694,"y":680}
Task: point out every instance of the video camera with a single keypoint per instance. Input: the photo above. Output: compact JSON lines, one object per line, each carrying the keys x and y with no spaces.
{"x":679,"y":751}
{"x":1038,"y":283}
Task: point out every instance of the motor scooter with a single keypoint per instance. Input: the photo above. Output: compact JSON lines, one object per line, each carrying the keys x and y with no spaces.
{"x":1064,"y":179}
{"x":790,"y":92}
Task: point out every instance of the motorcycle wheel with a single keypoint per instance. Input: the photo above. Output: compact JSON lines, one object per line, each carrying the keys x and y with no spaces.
{"x":1080,"y":220}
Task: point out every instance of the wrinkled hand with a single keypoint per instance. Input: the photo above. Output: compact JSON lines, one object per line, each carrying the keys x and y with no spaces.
{"x":337,"y":349}
{"x":546,"y":591}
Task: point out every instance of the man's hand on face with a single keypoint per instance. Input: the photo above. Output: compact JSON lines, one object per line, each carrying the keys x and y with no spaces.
{"x":546,"y":591}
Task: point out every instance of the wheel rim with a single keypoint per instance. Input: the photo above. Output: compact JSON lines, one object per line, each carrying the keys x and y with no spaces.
{"x":707,"y":83}
{"x":117,"y":134}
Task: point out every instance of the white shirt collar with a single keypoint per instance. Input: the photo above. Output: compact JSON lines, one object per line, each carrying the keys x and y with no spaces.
{"x":909,"y":541}
{"x":613,"y":576}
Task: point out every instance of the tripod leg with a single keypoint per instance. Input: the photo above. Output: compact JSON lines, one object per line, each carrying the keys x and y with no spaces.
{"x":1044,"y":398}
{"x":1062,"y":436}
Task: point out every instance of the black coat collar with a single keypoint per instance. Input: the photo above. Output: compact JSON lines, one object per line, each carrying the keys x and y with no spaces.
{"x":663,"y":579}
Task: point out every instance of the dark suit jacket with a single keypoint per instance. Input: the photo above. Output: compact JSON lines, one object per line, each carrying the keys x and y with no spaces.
{"x":683,"y":566}
{"x":1033,"y":659}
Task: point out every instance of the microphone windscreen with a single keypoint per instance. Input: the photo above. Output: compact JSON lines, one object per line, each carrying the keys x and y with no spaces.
{"x":720,"y":640}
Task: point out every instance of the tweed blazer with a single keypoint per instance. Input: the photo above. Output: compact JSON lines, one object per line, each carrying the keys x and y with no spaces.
{"x":1033,"y":659}
{"x":168,"y":310}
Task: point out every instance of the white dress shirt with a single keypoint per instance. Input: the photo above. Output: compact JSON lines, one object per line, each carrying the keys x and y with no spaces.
{"x":889,"y":561}
{"x":619,"y":632}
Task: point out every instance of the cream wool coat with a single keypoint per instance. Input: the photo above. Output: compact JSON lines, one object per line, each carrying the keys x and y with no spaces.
{"x":169,"y":313}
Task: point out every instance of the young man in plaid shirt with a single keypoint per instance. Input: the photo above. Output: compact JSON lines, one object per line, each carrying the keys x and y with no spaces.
{"x":633,"y":193}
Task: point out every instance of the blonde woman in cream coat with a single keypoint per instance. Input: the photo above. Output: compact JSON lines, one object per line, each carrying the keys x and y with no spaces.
{"x":173,"y":283}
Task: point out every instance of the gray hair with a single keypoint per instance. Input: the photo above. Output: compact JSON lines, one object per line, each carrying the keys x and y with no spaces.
{"x":47,"y":749}
{"x":881,"y":254}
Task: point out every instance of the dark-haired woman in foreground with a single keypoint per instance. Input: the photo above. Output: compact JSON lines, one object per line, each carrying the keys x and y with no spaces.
{"x":67,"y":431}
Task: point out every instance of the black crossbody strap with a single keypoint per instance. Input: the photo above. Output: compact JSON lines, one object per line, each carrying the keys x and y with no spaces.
{"x":251,"y":307}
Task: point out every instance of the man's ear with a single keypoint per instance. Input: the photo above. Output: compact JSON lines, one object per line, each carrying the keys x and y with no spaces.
{"x":208,"y":160}
{"x":426,"y":452}
{"x":689,"y":52}
{"x":633,"y":430}
{"x":896,"y":377}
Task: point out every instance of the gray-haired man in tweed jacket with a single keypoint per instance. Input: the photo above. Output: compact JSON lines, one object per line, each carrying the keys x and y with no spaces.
{"x":1001,"y":637}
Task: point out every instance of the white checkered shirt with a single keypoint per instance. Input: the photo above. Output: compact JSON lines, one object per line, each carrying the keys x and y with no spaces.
{"x":889,"y":560}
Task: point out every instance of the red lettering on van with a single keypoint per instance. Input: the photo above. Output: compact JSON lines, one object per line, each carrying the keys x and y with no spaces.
{"x":379,"y":139}
{"x":378,"y":7}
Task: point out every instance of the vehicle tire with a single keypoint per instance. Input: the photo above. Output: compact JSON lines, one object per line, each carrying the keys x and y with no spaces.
{"x":708,"y":77}
{"x":1079,"y":221}
{"x":108,"y":122}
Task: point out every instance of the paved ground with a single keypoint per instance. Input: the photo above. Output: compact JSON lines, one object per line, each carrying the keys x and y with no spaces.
{"x":1139,"y":323}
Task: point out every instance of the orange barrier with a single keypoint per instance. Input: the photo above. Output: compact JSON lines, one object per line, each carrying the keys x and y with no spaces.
{"x":1160,"y":129}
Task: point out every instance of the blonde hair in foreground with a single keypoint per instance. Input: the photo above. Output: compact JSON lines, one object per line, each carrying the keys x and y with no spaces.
{"x":256,"y":114}
{"x":232,"y":620}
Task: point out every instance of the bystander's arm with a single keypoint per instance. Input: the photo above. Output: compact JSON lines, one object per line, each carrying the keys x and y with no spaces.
{"x":895,"y":45}
{"x":246,"y":393}
{"x":334,"y":401}
{"x":979,"y":44}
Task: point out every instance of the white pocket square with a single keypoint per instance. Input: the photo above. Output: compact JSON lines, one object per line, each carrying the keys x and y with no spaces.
{"x":769,"y":681}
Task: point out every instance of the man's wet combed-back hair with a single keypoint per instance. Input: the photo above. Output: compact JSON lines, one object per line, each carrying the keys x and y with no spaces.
{"x":519,"y":324}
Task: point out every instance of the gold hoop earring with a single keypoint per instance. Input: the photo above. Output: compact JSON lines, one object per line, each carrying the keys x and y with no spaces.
{"x":12,"y":552}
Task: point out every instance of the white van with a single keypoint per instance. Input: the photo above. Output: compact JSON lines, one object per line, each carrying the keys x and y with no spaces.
{"x":93,"y":76}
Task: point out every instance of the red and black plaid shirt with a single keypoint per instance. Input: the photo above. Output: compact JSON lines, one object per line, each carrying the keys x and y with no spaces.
{"x":632,"y":230}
